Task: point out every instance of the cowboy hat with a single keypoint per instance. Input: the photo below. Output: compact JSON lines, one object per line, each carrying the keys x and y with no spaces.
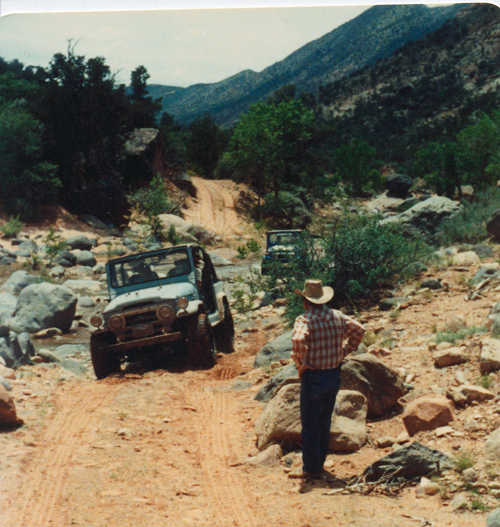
{"x":315,"y":292}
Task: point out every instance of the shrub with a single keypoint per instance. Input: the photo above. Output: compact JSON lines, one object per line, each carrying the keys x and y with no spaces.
{"x":464,"y":461}
{"x":153,"y":200}
{"x":12,"y":227}
{"x":54,"y":244}
{"x":358,"y":257}
{"x":469,"y":226}
{"x":453,"y":336}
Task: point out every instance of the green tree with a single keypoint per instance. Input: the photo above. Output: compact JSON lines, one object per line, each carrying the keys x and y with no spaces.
{"x":355,"y":165}
{"x":26,"y":179}
{"x":268,"y":147}
{"x":143,"y":108}
{"x":478,"y":147}
{"x":205,"y":144}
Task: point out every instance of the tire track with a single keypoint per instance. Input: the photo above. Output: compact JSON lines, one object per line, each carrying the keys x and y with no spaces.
{"x":232,"y":504}
{"x":48,"y":468}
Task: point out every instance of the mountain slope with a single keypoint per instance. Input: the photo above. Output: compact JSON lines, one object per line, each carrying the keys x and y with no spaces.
{"x":426,"y":90}
{"x":373,"y":35}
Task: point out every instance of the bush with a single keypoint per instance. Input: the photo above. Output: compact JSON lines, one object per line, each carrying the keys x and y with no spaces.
{"x":359,"y":257}
{"x":285,"y":210}
{"x":12,"y":227}
{"x":469,"y":226}
{"x":153,"y":200}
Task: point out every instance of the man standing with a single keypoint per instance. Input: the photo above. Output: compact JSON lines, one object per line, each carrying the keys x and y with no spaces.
{"x":318,"y":350}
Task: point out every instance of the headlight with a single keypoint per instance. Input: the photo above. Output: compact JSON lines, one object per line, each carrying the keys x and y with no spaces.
{"x":96,"y":321}
{"x":116,"y":322}
{"x":165,"y":314}
{"x":182,"y":302}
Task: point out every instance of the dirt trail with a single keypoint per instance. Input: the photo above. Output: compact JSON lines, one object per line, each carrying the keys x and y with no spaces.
{"x":214,"y":208}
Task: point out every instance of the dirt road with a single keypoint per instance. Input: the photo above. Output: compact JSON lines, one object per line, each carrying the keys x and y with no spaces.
{"x":169,"y":448}
{"x":214,"y":208}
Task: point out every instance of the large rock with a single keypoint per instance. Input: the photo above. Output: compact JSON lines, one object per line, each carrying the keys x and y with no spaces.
{"x":408,"y":463}
{"x":8,"y":414}
{"x":44,"y":305}
{"x":427,"y":216}
{"x":17,"y":281}
{"x":468,"y":393}
{"x":187,"y":230}
{"x":487,"y":271}
{"x":80,"y":241}
{"x":16,"y":349}
{"x":85,"y":258}
{"x":489,"y":359}
{"x":398,"y":185}
{"x":466,"y":258}
{"x":348,"y":430}
{"x":381,"y":385}
{"x":493,"y":225}
{"x":275,"y":350}
{"x":8,"y":304}
{"x":280,"y":423}
{"x":427,"y":413}
{"x":26,"y":248}
{"x":287,"y":374}
{"x":450,"y":357}
{"x":83,"y":285}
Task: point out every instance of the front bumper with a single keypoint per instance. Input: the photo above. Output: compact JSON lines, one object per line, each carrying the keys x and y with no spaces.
{"x":145,"y":341}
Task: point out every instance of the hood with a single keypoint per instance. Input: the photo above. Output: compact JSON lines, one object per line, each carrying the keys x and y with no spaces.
{"x":155,"y":295}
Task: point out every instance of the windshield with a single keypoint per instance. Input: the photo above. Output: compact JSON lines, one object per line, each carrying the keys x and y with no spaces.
{"x":146,"y":268}
{"x":282,"y":238}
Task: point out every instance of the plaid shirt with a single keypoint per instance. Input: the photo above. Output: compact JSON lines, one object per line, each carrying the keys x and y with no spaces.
{"x":318,"y":335}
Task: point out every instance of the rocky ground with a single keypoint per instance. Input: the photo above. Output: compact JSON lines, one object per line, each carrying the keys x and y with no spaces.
{"x":173,"y":446}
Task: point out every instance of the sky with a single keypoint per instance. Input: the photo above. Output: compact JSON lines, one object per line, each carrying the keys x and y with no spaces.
{"x":203,"y":42}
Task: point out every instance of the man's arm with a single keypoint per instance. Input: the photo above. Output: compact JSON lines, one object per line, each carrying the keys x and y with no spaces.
{"x":354,"y":334}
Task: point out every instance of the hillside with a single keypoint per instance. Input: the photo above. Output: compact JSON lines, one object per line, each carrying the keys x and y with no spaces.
{"x":373,"y":35}
{"x":425,"y":90}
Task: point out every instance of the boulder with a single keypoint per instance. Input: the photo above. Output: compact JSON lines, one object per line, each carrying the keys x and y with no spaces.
{"x":428,"y":215}
{"x":269,"y":457}
{"x":16,"y":349}
{"x":7,"y":307}
{"x":275,"y":350}
{"x":8,"y":414}
{"x":17,"y":281}
{"x":467,"y":393}
{"x":187,"y":230}
{"x":42,"y":306}
{"x":26,"y":248}
{"x":466,"y":258}
{"x":279,"y":422}
{"x":381,"y":385}
{"x":398,"y":185}
{"x":83,"y":285}
{"x":489,"y":360}
{"x":427,"y":413}
{"x":85,"y":258}
{"x":348,"y":430}
{"x":490,"y":270}
{"x":287,"y":374}
{"x":493,"y":225}
{"x":65,"y":258}
{"x":408,"y":463}
{"x":450,"y":357}
{"x":80,"y":241}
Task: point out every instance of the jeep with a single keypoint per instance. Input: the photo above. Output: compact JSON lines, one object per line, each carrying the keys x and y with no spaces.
{"x":167,"y":297}
{"x":281,"y":247}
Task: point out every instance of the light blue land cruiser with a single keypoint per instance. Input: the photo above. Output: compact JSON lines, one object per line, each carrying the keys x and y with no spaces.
{"x":167,"y":297}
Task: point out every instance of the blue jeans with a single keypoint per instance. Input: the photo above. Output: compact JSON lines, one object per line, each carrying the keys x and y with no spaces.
{"x":318,"y":391}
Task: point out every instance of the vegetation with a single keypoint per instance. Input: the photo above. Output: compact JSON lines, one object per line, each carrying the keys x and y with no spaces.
{"x":358,"y":257}
{"x":12,"y":227}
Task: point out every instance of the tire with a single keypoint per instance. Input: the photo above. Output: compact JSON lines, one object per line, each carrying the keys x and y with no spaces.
{"x":224,"y":332}
{"x":199,"y":343}
{"x":103,"y":361}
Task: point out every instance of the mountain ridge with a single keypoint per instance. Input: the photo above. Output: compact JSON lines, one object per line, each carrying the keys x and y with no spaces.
{"x":376,"y":33}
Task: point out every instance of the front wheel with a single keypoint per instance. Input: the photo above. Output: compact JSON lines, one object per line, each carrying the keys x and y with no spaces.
{"x":224,"y":332}
{"x":103,"y":361}
{"x":199,"y":343}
